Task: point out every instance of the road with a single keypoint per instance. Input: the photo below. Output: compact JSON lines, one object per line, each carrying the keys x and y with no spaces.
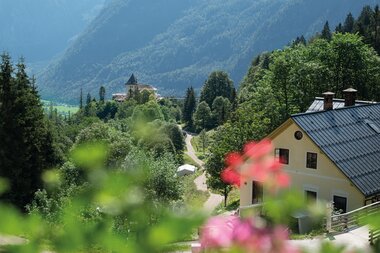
{"x":214,"y":200}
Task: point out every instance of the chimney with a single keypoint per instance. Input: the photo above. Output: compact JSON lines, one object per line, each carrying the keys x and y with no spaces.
{"x":349,"y":97}
{"x":328,"y":100}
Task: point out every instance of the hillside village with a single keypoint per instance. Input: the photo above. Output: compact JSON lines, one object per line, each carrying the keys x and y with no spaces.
{"x":285,"y":161}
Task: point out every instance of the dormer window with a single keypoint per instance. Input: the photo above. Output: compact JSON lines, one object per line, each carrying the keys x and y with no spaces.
{"x":283,"y":155}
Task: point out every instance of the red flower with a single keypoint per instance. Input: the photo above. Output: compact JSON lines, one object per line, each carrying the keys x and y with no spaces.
{"x":255,"y":150}
{"x":234,"y":159}
{"x":231,"y":176}
{"x":258,"y":164}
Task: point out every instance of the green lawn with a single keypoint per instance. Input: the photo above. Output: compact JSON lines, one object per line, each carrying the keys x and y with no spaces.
{"x":233,"y":202}
{"x":188,"y":160}
{"x":193,"y":197}
{"x":63,"y":109}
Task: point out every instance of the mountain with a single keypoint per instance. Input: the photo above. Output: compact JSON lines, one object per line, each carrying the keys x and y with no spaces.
{"x":173,"y":44}
{"x":41,"y":29}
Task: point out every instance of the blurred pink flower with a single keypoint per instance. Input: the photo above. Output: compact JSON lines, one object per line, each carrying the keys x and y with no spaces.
{"x":231,"y":176}
{"x":223,"y":233}
{"x":258,"y":149}
{"x":218,"y":232}
{"x":256,"y":163}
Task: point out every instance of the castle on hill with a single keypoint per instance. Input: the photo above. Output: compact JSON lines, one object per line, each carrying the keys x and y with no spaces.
{"x":131,"y":87}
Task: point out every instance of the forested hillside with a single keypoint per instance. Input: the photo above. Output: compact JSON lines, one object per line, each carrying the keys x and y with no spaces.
{"x":41,"y":29}
{"x":177,"y":46}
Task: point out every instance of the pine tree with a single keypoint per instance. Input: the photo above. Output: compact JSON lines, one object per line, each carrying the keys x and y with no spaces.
{"x":266,"y":61}
{"x":339,"y":28}
{"x":26,"y":145}
{"x":81,"y":99}
{"x":376,"y":29}
{"x":189,"y":107}
{"x":349,"y":24}
{"x":326,"y":33}
{"x":102,"y":94}
{"x":88,"y":100}
{"x":299,"y":40}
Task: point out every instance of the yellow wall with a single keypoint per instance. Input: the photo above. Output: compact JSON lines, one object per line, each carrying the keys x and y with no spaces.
{"x":327,"y":180}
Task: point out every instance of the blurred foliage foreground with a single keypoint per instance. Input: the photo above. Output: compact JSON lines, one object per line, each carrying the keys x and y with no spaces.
{"x":114,"y":211}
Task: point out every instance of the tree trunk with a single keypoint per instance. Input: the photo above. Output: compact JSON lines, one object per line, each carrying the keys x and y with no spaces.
{"x":225,"y":196}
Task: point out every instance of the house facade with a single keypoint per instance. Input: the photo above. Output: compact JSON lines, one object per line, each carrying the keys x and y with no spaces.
{"x":330,"y":155}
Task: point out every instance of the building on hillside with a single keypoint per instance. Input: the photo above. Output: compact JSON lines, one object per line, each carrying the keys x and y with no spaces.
{"x":318,"y":104}
{"x":131,"y":87}
{"x":331,"y":155}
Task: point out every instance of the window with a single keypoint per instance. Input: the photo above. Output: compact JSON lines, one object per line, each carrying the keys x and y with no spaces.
{"x":282,"y":155}
{"x":257,"y":192}
{"x":373,"y":126}
{"x":311,"y":160}
{"x":311,"y":196}
{"x":340,"y":203}
{"x":298,"y":135}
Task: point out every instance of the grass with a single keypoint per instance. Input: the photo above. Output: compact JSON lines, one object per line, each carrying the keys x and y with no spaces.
{"x":314,"y":233}
{"x":193,"y":197}
{"x":63,"y":109}
{"x":194,"y":143}
{"x":233,"y":202}
{"x":188,"y":160}
{"x":177,"y":247}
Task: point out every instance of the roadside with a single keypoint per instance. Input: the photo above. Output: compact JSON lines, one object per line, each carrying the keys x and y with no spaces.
{"x":355,"y":239}
{"x":214,"y":200}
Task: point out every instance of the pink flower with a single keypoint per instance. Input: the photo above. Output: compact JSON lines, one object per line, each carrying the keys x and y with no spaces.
{"x":256,"y":164}
{"x":234,"y":160}
{"x":231,"y":176}
{"x":256,"y":150}
{"x":218,"y":232}
{"x":243,"y":231}
{"x":223,"y":233}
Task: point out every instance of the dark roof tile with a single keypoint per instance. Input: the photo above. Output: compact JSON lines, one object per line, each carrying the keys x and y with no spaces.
{"x":347,"y":138}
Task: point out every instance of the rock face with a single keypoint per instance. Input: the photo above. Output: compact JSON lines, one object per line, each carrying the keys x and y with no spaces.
{"x":173,"y":44}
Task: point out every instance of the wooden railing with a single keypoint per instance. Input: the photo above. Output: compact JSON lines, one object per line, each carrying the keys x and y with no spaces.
{"x":245,"y":211}
{"x":345,"y":221}
{"x":374,"y":235}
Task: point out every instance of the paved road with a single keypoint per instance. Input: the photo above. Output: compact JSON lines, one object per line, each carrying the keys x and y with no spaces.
{"x":214,"y":200}
{"x":356,"y":239}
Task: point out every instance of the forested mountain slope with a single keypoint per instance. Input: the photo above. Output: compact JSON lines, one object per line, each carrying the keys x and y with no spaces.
{"x":173,"y":44}
{"x":40,"y":29}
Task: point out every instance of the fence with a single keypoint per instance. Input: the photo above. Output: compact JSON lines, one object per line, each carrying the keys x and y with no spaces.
{"x":345,"y":221}
{"x":246,"y":211}
{"x":351,"y":219}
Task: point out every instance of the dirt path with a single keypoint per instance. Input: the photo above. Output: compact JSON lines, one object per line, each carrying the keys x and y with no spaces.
{"x":214,"y":200}
{"x":11,"y":240}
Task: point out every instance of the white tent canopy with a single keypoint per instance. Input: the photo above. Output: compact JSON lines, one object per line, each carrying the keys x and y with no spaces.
{"x":186,"y":169}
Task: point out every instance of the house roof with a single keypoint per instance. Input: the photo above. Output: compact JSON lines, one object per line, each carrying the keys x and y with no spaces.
{"x":132,"y":80}
{"x":350,"y":137}
{"x":317,"y":105}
